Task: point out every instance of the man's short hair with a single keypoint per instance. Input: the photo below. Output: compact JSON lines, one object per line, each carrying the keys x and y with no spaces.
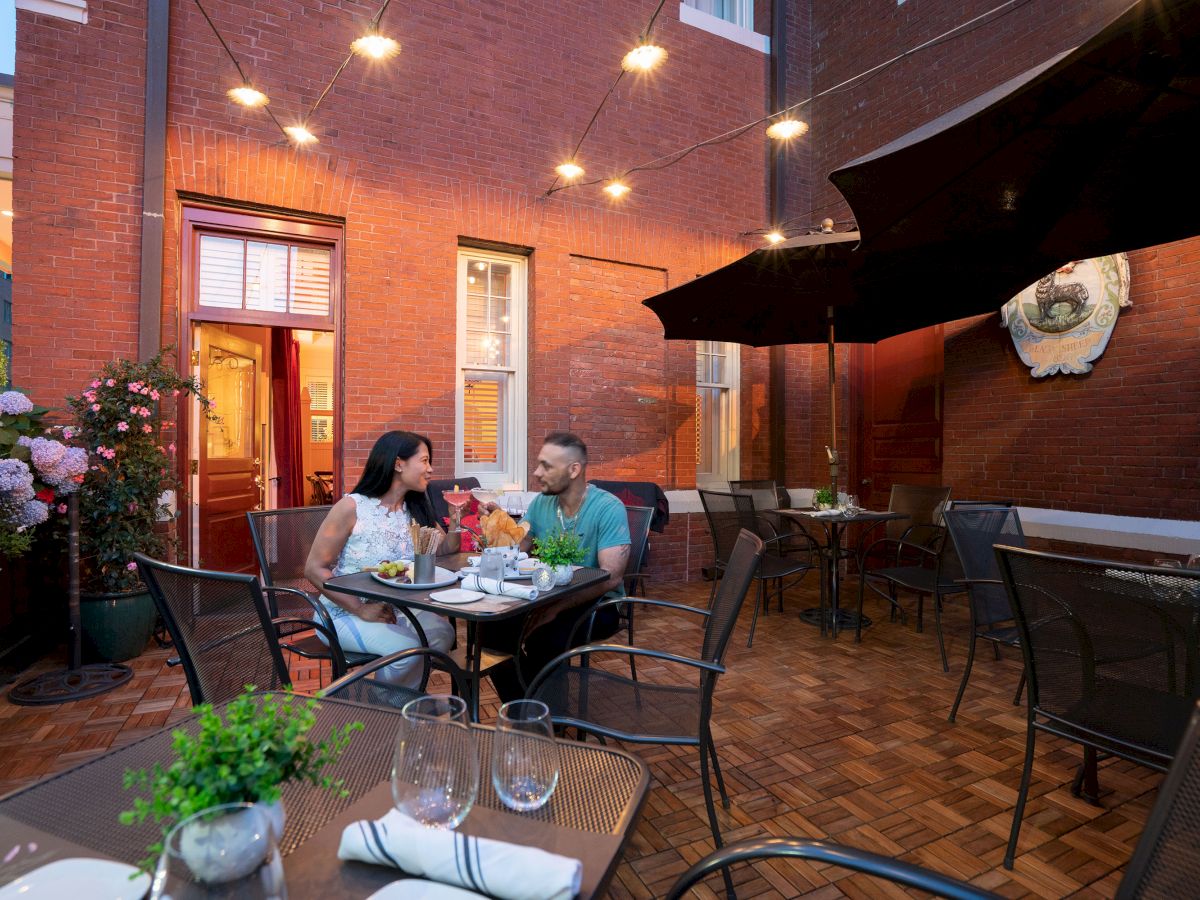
{"x":569,"y":441}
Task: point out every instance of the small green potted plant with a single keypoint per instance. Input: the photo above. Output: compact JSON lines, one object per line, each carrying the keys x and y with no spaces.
{"x":245,"y":757}
{"x":560,"y":552}
{"x":822,"y":498}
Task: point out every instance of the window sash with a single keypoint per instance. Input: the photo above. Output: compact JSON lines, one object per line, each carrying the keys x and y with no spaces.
{"x":256,"y":275}
{"x":717,"y":421}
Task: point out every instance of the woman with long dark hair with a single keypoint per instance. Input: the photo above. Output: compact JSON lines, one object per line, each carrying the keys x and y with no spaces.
{"x":370,"y":525}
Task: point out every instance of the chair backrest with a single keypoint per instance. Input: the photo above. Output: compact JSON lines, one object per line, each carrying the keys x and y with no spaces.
{"x":727,"y":515}
{"x":282,"y":539}
{"x":322,"y":494}
{"x":974,"y":531}
{"x":640,"y":493}
{"x":1166,"y":861}
{"x":1109,"y":647}
{"x":221,"y":627}
{"x":722,"y":615}
{"x":963,"y":504}
{"x":763,"y":490}
{"x":923,"y":505}
{"x":639,"y":536}
{"x":441,"y":509}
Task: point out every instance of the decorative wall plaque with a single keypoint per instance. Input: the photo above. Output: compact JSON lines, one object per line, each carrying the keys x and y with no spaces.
{"x":1063,"y":322}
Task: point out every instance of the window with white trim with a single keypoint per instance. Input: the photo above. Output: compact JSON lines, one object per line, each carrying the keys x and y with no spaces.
{"x":264,"y":276}
{"x":739,"y":12}
{"x":490,"y":426}
{"x":718,"y":366}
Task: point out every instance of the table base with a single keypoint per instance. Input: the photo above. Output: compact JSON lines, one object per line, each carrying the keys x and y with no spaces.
{"x":845,"y":618}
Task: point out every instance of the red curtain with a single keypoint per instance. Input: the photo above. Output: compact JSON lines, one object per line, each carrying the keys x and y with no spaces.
{"x":287,"y":417}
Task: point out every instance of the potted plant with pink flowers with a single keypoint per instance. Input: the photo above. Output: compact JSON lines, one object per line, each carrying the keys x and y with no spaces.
{"x":121,"y":421}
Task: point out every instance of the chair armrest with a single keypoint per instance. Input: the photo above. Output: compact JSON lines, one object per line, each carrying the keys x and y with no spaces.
{"x":335,"y":647}
{"x":589,"y":649}
{"x":885,"y":867}
{"x":447,"y":665}
{"x":902,"y":546}
{"x":590,"y":618}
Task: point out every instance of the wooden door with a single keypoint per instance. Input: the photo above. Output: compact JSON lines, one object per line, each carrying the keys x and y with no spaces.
{"x":231,"y":449}
{"x":897,"y":422}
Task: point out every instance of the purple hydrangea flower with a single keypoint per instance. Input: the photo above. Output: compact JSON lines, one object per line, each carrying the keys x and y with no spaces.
{"x":15,"y":477}
{"x":15,"y":403}
{"x":34,"y":512}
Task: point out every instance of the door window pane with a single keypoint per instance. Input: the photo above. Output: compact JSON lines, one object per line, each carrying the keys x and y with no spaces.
{"x":231,"y":385}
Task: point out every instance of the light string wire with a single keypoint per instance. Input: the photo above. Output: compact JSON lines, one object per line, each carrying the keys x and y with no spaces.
{"x":592,"y":121}
{"x":676,"y":156}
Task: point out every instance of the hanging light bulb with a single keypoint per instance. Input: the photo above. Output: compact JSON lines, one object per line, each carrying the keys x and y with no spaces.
{"x":247,"y":96}
{"x":774,"y":237}
{"x":300,"y":134}
{"x":643,"y":58}
{"x":7,"y":213}
{"x":616,"y":189}
{"x":786,"y":128}
{"x":374,"y":45}
{"x":569,"y":170}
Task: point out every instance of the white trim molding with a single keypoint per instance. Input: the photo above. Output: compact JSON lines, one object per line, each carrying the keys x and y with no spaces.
{"x":689,"y":15}
{"x":71,"y":10}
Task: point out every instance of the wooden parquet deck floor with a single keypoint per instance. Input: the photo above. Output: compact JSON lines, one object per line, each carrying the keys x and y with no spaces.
{"x":817,"y":739}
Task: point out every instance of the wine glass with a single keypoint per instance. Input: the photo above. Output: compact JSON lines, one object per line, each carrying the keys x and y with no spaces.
{"x":227,"y":850}
{"x":851,"y":507}
{"x":435,"y":773}
{"x":485,"y":495}
{"x":525,"y":763}
{"x":458,"y":499}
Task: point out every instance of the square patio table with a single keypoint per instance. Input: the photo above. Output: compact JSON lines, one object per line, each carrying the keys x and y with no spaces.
{"x":590,"y":816}
{"x":489,"y":609}
{"x":831,"y":552}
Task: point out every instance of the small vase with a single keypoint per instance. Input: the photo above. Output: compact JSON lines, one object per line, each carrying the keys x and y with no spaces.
{"x":224,"y":849}
{"x":563,"y":574}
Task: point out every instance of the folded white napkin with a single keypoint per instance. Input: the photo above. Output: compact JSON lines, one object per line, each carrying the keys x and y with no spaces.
{"x":826,"y":512}
{"x":499,"y":588}
{"x":496,"y":868}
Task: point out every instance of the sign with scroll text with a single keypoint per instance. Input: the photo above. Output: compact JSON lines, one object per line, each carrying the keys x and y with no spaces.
{"x":1063,"y":322}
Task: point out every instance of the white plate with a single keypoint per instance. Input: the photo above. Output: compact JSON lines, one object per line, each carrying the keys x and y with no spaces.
{"x":416,"y":889}
{"x":509,"y":574}
{"x":101,"y":879}
{"x":456,"y":595}
{"x":441,"y":578}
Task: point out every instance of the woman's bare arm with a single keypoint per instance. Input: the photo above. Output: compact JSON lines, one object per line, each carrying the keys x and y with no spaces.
{"x":326,"y":548}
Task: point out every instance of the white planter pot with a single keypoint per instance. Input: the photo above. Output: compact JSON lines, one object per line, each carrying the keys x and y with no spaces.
{"x":563,"y":574}
{"x":224,"y":849}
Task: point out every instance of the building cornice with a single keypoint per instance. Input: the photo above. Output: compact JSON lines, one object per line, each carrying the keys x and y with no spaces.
{"x":71,"y":10}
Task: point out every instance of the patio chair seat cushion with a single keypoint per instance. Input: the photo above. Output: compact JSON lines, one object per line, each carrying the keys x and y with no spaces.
{"x":919,"y":579}
{"x":626,"y":709}
{"x":1141,"y":716}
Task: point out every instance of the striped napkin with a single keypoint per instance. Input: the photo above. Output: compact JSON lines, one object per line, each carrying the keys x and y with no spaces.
{"x":499,"y":588}
{"x":496,"y":868}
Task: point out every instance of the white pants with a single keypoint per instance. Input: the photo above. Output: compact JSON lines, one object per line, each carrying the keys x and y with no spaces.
{"x":382,"y":639}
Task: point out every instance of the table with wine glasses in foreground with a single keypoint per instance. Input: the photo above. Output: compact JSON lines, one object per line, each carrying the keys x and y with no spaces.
{"x":589,"y":816}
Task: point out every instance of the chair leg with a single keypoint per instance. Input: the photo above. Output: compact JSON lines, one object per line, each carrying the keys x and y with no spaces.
{"x":1020,"y":687}
{"x":921,"y":613}
{"x":1087,"y":780}
{"x":711,"y":808}
{"x":712,"y":751}
{"x":937,"y":623}
{"x":781,"y":595}
{"x":996,"y":651}
{"x":629,"y":631}
{"x":862,"y":588}
{"x":962,"y":687}
{"x":1022,"y":793}
{"x":754,"y":618}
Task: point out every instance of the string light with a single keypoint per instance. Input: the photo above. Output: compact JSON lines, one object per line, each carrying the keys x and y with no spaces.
{"x":247,"y":96}
{"x":569,"y":171}
{"x":786,"y":129}
{"x":300,"y":134}
{"x":6,"y":212}
{"x":643,"y":58}
{"x":616,"y":189}
{"x":374,"y":45}
{"x":774,"y":237}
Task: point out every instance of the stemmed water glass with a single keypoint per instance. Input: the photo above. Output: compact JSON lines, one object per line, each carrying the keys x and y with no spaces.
{"x":525,"y":760}
{"x":435,"y":772}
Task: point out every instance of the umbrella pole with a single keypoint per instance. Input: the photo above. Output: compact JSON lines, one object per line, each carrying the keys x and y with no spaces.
{"x":829,"y":448}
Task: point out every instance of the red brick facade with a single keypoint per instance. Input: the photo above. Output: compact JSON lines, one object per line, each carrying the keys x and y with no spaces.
{"x":456,"y":140}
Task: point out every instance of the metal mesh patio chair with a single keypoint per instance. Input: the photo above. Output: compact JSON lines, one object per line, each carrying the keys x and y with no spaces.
{"x":1110,"y":657}
{"x":282,"y":539}
{"x":360,"y":687}
{"x":728,"y":515}
{"x":975,"y":530}
{"x":1165,"y":863}
{"x":766,"y":493}
{"x":222,"y":628}
{"x":596,"y":700}
{"x":914,"y":556}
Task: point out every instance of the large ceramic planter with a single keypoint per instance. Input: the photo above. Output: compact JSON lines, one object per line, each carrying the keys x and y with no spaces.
{"x":116,"y":627}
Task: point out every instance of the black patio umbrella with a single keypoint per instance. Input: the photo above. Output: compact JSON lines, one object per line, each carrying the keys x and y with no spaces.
{"x":1090,"y":153}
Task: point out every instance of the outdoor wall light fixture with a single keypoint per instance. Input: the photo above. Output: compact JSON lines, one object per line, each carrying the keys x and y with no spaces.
{"x":785,"y":129}
{"x":374,"y":45}
{"x":616,"y":189}
{"x":300,"y":134}
{"x":247,"y":96}
{"x":643,"y":58}
{"x":569,"y":170}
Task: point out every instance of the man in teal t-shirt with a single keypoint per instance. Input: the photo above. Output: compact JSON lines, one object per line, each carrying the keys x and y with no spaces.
{"x":567,"y":503}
